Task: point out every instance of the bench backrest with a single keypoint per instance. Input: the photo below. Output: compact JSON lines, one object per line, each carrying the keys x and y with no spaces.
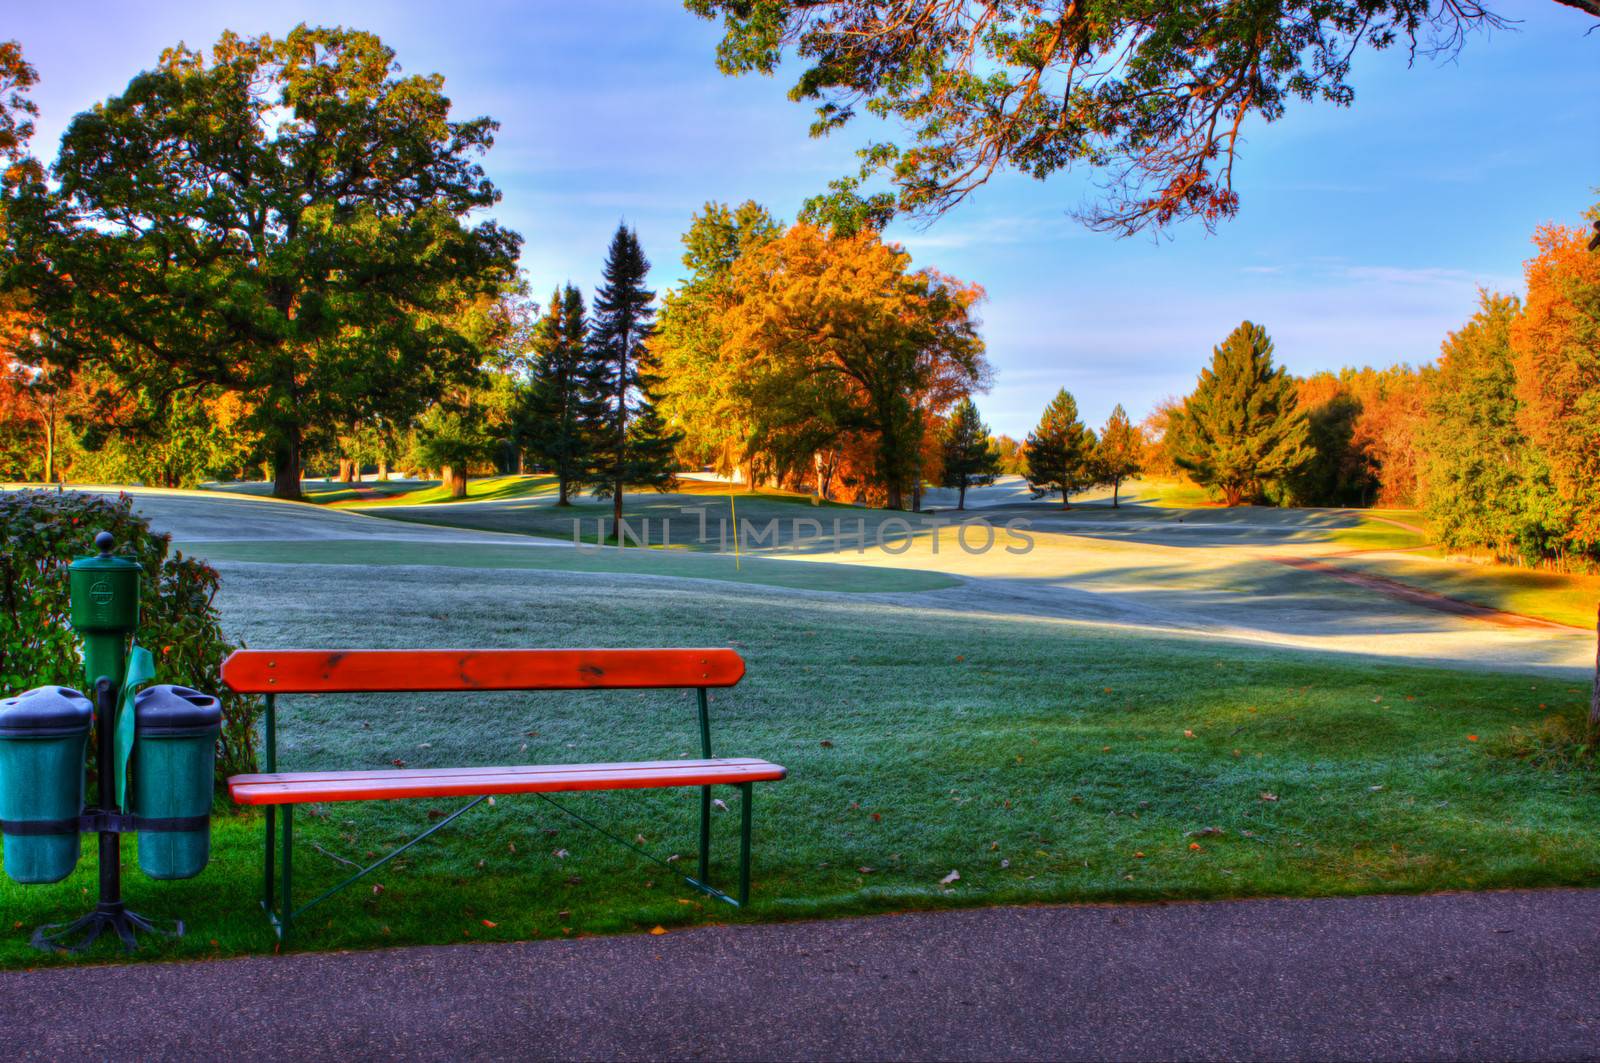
{"x":355,"y":671}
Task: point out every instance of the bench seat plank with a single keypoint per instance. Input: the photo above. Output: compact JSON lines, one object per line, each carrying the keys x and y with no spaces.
{"x":287,"y":788}
{"x":394,"y":671}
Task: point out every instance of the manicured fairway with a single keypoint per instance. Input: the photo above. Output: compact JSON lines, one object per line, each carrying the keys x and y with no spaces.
{"x":1039,"y":759}
{"x":726,"y":568}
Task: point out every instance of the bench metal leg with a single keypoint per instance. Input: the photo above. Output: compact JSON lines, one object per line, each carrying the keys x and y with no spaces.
{"x":269,"y":886}
{"x":705,"y":833}
{"x":747,"y":790}
{"x":288,"y":873}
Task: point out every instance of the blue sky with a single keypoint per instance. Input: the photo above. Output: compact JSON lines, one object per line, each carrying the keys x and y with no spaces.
{"x":1364,"y":236}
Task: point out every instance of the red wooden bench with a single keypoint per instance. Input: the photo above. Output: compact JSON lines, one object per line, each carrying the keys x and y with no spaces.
{"x":275,"y":672}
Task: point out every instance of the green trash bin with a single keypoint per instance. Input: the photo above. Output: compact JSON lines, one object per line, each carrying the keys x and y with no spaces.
{"x":43,"y":733}
{"x":170,"y":778}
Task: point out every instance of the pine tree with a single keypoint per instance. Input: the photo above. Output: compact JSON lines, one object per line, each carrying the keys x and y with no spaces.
{"x":1242,"y":428}
{"x":969,"y":459}
{"x":1120,"y":452}
{"x":554,"y":406}
{"x":1488,"y":485}
{"x":628,"y":441}
{"x":1059,"y":454}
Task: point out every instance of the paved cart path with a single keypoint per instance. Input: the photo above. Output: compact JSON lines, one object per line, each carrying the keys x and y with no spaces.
{"x":1495,"y":975}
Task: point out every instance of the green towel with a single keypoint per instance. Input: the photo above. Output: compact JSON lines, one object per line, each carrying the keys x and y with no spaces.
{"x":141,"y":669}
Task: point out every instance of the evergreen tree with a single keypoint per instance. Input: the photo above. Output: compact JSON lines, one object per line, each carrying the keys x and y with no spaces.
{"x":1242,"y":428}
{"x":628,"y":442}
{"x":1059,"y":454}
{"x":1488,"y":487}
{"x":969,"y":459}
{"x":1120,"y":452}
{"x":553,"y":411}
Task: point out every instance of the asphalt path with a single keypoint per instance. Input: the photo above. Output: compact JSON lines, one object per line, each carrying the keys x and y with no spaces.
{"x":1507,"y":975}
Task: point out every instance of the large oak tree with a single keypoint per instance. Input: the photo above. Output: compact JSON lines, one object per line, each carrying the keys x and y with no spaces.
{"x":830,"y":337}
{"x":285,"y":219}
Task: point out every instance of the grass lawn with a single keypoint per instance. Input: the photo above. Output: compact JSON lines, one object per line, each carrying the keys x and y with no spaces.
{"x":1043,"y":761}
{"x":1382,"y":530}
{"x":1566,"y":598}
{"x":664,"y":516}
{"x":331,"y":492}
{"x":820,"y":576}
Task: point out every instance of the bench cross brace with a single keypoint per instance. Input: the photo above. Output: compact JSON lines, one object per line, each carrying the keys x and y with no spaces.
{"x":279,"y":866}
{"x":280,"y":875}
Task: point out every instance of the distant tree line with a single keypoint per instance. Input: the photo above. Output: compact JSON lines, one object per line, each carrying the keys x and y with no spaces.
{"x":264,"y":259}
{"x":1497,"y":441}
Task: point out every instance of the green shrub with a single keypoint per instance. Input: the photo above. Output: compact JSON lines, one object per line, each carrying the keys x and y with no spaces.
{"x":43,"y":532}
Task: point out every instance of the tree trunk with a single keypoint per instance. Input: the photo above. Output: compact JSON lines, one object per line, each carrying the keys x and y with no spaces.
{"x":347,"y":471}
{"x":895,"y":498}
{"x":1116,"y":488}
{"x":454,"y":480}
{"x":286,"y":466}
{"x":50,"y":444}
{"x":961,"y":499}
{"x":1594,"y":695}
{"x":383,"y":470}
{"x":616,"y":514}
{"x":562,"y":489}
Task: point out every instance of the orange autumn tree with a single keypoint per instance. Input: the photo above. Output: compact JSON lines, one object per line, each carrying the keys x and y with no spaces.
{"x":830,"y":338}
{"x":1556,"y":347}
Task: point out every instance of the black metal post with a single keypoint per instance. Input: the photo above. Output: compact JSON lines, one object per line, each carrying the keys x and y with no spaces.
{"x":105,"y":715}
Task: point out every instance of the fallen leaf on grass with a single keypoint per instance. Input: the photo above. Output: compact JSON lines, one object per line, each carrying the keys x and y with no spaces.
{"x":490,"y":924}
{"x":953,"y":876}
{"x":826,"y":744}
{"x":1268,"y":795}
{"x":1188,"y":734}
{"x":377,"y":889}
{"x":397,"y":762}
{"x":658,"y":930}
{"x":560,"y":854}
{"x":1205,"y":832}
{"x":1472,"y":738}
{"x":866,"y":870}
{"x":1194,"y":847}
{"x":719,"y":804}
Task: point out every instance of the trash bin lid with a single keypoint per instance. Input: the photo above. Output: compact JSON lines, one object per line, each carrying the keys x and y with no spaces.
{"x":170,"y":709}
{"x":45,"y":712}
